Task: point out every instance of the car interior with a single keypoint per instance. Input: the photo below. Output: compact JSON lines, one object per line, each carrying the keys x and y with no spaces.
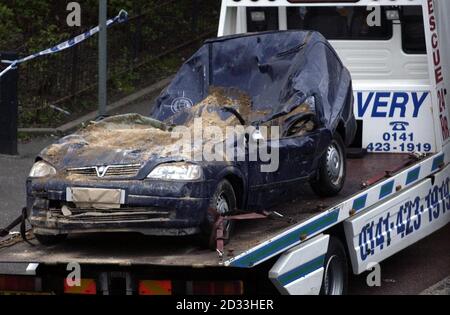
{"x":300,"y":121}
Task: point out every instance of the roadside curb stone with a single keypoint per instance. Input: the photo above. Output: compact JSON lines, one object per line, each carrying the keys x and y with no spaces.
{"x":440,"y":288}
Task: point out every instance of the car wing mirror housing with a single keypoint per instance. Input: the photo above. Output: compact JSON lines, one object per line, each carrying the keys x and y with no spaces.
{"x":257,"y":135}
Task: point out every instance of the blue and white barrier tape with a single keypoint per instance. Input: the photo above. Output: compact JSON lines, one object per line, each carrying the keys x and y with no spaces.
{"x":120,"y":18}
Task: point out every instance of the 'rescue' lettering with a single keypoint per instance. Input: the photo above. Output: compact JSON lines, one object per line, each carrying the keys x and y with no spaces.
{"x":438,"y":74}
{"x":390,"y":104}
{"x":435,"y":44}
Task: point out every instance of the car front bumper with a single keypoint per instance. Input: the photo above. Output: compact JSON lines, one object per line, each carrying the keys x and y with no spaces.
{"x":150,"y":207}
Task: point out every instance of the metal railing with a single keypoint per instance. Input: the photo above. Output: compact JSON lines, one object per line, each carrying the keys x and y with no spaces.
{"x":149,"y":47}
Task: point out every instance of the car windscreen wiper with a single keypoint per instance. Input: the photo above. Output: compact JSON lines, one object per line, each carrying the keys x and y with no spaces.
{"x":235,"y":113}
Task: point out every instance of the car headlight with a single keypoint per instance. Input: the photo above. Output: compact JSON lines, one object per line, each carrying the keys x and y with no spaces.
{"x":42,"y":169}
{"x":176,"y":171}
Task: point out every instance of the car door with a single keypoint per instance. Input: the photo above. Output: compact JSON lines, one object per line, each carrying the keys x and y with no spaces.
{"x":297,"y":160}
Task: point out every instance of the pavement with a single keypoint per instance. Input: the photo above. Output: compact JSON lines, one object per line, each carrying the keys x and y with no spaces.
{"x":423,"y":268}
{"x":13,"y":173}
{"x":440,"y":288}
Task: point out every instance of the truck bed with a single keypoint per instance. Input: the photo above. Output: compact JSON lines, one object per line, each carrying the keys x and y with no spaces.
{"x":135,"y":249}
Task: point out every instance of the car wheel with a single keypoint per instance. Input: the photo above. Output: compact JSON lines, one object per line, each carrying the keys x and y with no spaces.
{"x":335,"y":278}
{"x":48,"y":240}
{"x":332,"y":170}
{"x":222,"y":203}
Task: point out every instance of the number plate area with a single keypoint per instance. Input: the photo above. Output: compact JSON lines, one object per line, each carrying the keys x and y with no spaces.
{"x":95,"y":197}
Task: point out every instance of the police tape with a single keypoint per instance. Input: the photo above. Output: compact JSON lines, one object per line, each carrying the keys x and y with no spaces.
{"x":120,"y":18}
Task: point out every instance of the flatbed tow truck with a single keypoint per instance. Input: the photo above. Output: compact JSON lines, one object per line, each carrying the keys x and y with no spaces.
{"x":395,"y":195}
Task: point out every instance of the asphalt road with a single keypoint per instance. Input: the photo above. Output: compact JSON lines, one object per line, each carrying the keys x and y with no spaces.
{"x":412,"y":271}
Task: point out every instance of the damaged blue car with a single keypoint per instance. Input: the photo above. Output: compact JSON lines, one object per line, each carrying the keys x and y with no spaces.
{"x":131,"y":173}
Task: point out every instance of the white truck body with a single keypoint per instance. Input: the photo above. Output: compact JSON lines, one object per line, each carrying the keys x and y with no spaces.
{"x":402,"y":100}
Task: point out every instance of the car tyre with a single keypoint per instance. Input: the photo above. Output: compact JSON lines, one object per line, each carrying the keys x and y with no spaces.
{"x":331,"y":173}
{"x":49,"y":240}
{"x":335,"y":277}
{"x":222,"y":203}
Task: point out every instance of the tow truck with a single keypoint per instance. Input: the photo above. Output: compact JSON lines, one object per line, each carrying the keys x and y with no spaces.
{"x":395,"y":195}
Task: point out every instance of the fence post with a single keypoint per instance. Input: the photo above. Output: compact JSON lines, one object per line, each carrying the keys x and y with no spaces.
{"x":194,"y":16}
{"x":102,"y":58}
{"x":137,"y":36}
{"x":8,"y":108}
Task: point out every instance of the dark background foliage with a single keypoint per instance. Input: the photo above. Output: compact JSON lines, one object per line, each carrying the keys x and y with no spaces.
{"x":151,"y":45}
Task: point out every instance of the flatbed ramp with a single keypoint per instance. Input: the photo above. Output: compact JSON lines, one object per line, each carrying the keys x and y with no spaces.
{"x":135,"y":249}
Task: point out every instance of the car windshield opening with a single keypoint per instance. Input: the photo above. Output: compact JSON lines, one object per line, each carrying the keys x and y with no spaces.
{"x":217,"y":110}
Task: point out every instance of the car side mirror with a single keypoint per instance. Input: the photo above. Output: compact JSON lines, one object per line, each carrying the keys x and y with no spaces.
{"x":257,"y":135}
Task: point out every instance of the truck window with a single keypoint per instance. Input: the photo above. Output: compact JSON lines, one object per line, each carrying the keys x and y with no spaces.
{"x":413,"y":31}
{"x":339,"y":22}
{"x":262,"y":19}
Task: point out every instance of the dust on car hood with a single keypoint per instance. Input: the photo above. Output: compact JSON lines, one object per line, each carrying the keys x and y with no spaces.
{"x":126,"y":139}
{"x":135,"y":139}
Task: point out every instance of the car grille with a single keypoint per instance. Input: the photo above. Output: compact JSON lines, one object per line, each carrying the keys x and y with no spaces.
{"x":113,"y":215}
{"x":120,"y":171}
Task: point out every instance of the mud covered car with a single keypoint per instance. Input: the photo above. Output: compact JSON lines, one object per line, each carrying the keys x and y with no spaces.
{"x":132,"y":173}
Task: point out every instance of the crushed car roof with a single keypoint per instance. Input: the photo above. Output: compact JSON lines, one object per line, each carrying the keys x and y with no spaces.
{"x":278,"y":70}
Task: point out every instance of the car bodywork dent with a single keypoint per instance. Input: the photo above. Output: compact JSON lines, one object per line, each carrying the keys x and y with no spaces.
{"x":279,"y":71}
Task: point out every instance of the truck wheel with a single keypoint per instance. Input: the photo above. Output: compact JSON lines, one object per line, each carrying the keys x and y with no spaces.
{"x":335,"y":278}
{"x":332,"y":170}
{"x":222,"y":203}
{"x":48,"y":240}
